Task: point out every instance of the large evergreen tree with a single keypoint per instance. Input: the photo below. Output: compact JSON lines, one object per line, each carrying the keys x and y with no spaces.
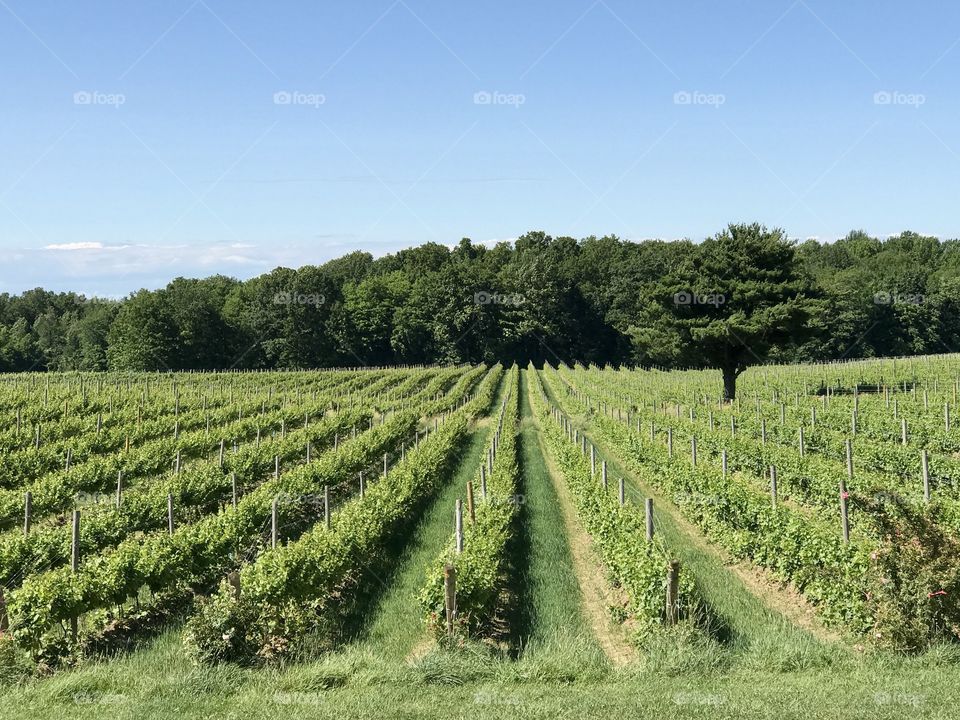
{"x":737,"y":297}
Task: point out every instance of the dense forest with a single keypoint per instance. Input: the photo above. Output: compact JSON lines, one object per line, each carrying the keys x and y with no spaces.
{"x":539,"y":298}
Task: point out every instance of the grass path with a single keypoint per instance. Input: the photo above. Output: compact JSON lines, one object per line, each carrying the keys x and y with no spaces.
{"x":753,"y":631}
{"x":566,"y":592}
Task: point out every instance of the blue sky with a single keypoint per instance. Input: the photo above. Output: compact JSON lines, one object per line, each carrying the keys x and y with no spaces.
{"x":145,"y":140}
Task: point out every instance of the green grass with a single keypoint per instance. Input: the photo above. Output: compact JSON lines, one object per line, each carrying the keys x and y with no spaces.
{"x":554,"y":630}
{"x":158,"y":683}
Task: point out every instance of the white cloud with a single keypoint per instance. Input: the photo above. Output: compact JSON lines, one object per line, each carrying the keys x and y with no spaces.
{"x":75,"y":246}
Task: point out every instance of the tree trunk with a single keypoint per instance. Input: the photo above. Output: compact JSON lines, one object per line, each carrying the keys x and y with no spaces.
{"x":729,"y":384}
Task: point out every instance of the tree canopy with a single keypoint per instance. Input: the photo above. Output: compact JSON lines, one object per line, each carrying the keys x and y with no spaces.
{"x":744,"y":296}
{"x":730,"y":303}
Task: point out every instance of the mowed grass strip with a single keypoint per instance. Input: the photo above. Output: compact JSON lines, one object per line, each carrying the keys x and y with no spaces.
{"x":555,"y":621}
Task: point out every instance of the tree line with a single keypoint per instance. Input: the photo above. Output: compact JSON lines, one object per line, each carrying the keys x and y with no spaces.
{"x":746,"y":295}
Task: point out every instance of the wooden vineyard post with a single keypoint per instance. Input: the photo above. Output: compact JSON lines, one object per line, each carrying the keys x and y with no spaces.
{"x":844,"y":512}
{"x":170,"y":513}
{"x":276,"y":467}
{"x":4,"y":620}
{"x":221,"y":454}
{"x":458,"y":525}
{"x":593,"y":460}
{"x":233,"y":489}
{"x":75,"y":542}
{"x":603,"y":474}
{"x":385,"y":466}
{"x":773,"y":486}
{"x":450,"y":596}
{"x":308,"y":452}
{"x":470,"y":506}
{"x":724,"y":463}
{"x":903,"y":431}
{"x":672,"y":615}
{"x":273,"y":523}
{"x":234,"y":580}
{"x":75,"y":563}
{"x":27,"y":512}
{"x":924,"y":474}
{"x":621,"y":495}
{"x":802,"y":447}
{"x":326,"y":506}
{"x":648,"y":512}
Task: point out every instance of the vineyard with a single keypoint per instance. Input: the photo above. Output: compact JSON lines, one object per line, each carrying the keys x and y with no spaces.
{"x":477,"y":540}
